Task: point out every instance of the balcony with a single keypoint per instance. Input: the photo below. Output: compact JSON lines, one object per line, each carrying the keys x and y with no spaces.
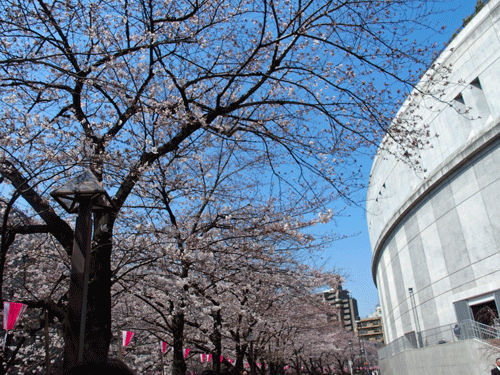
{"x":468,"y":329}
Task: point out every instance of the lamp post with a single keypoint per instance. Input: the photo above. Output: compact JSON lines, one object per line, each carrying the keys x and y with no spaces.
{"x":363,"y":356}
{"x":360,"y":342}
{"x":415,"y":315}
{"x":350,"y":357}
{"x":251,"y":339}
{"x":83,"y":195}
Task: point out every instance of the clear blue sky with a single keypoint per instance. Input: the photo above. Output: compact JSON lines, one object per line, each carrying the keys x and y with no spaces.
{"x":353,"y":255}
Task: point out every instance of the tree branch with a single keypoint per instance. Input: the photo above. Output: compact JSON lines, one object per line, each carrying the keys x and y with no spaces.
{"x":57,"y":227}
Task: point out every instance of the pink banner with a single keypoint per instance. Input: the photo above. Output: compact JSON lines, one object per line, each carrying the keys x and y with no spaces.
{"x":209,"y":358}
{"x":12,"y":311}
{"x":203,"y":357}
{"x":163,"y":347}
{"x":126,"y":337}
{"x":186,"y":352}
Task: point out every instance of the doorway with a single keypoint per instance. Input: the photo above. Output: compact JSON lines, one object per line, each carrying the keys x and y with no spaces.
{"x":485,"y":312}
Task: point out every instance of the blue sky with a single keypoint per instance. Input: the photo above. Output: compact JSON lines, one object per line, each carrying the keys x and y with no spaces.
{"x":352,"y":256}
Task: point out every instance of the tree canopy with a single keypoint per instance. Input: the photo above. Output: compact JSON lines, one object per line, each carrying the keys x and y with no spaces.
{"x":218,"y":127}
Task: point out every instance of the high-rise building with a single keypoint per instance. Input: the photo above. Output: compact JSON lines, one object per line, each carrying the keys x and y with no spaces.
{"x":346,"y":305}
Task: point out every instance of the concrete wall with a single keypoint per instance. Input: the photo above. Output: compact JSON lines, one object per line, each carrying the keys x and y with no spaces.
{"x":437,"y":229}
{"x":469,"y":357}
{"x":473,"y":56}
{"x":447,"y":248}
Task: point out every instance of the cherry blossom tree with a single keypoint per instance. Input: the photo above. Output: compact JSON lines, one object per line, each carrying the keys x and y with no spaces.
{"x":229,"y":287}
{"x":34,"y":274}
{"x":233,"y":312}
{"x":207,"y":243}
{"x":255,"y":291}
{"x":139,"y":91}
{"x":310,"y":339}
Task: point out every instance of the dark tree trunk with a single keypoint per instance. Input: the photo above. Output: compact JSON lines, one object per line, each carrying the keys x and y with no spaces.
{"x":240,"y":356}
{"x":97,"y":336}
{"x":7,"y":238}
{"x":179,"y":365}
{"x":217,"y":340}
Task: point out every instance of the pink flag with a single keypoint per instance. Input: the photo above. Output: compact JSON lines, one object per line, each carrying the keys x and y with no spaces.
{"x":202,"y":357}
{"x":163,"y":347}
{"x":209,"y":358}
{"x":126,"y":337}
{"x":12,"y":311}
{"x":247,"y":364}
{"x":231,"y":361}
{"x":221,"y":358}
{"x":186,"y":352}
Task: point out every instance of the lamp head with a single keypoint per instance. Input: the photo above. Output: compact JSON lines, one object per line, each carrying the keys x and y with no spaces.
{"x":84,"y":187}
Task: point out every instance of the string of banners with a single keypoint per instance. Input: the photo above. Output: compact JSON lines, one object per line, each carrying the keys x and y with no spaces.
{"x":12,"y":312}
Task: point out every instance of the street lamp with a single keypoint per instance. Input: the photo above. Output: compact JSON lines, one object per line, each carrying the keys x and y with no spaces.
{"x":360,"y":342}
{"x":415,"y":315}
{"x":251,"y":339}
{"x":81,"y":195}
{"x":350,"y":358}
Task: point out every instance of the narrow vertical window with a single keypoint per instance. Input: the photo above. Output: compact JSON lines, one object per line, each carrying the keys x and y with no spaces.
{"x":480,"y":109}
{"x":459,"y":104}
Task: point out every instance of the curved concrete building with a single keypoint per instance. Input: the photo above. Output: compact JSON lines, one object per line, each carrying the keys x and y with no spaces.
{"x":435,"y":231}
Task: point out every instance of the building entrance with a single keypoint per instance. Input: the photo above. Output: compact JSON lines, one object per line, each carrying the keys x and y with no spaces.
{"x":485,"y":313}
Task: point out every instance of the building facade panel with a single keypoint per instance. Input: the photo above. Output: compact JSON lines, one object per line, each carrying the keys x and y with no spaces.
{"x":431,"y":244}
{"x":491,"y":91}
{"x":478,"y":237}
{"x":488,"y":170}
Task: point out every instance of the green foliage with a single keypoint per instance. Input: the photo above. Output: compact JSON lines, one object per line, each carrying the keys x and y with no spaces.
{"x":479,"y":5}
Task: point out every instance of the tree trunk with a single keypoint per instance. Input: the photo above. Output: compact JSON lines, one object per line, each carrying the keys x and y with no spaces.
{"x":240,"y":356}
{"x":179,"y":364}
{"x":217,"y":340}
{"x":7,"y":238}
{"x":97,"y":336}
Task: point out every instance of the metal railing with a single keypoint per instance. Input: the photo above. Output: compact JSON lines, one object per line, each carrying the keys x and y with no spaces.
{"x":463,"y":330}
